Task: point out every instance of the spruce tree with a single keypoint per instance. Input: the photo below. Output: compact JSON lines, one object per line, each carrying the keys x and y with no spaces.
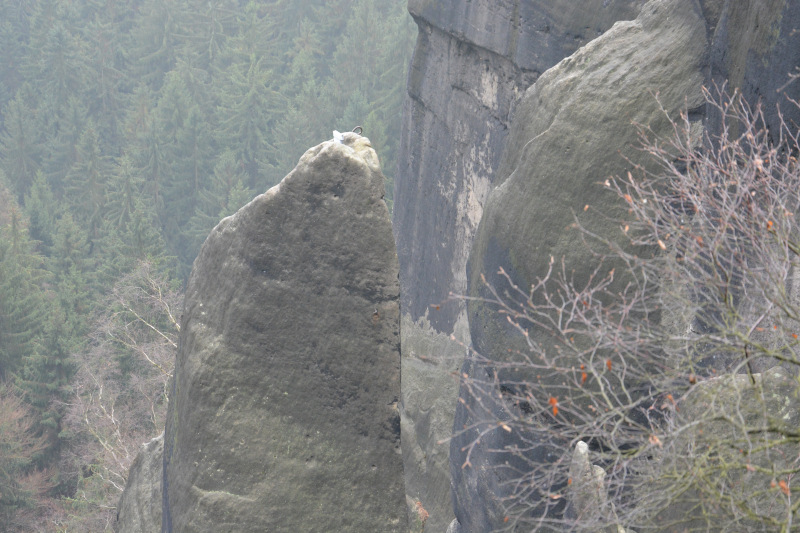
{"x":42,"y":211}
{"x":85,"y":188}
{"x":19,"y":145}
{"x":23,"y":304}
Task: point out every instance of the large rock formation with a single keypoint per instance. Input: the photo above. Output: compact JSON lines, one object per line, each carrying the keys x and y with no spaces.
{"x":472,"y":61}
{"x":283,"y":413}
{"x":571,"y":130}
{"x":139,"y":509}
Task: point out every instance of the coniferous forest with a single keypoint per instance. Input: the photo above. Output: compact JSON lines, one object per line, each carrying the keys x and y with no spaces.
{"x":128,"y":129}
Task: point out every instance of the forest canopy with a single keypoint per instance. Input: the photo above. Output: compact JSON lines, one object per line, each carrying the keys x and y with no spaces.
{"x":128,"y":129}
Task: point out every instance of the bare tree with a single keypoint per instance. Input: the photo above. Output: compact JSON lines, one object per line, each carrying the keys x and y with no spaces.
{"x":664,"y":388}
{"x":120,"y":391}
{"x":22,"y":485}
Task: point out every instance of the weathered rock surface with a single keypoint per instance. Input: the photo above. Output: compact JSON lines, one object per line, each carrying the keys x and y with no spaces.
{"x":139,"y":509}
{"x":473,"y":60}
{"x":702,"y":458}
{"x":755,"y":46}
{"x":571,"y":130}
{"x":742,"y":437}
{"x":283,"y":414}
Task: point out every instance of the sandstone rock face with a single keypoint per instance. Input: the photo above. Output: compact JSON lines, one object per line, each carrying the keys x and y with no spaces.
{"x":701,"y":459}
{"x":718,"y":419}
{"x":139,"y":509}
{"x":571,"y":130}
{"x":283,"y":414}
{"x":755,"y":46}
{"x":473,"y":60}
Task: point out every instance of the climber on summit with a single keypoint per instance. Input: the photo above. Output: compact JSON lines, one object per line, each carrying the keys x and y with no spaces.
{"x":339,"y":136}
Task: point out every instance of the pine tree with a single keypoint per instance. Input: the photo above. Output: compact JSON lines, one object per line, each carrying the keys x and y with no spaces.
{"x":226,"y":194}
{"x":42,"y":211}
{"x":125,"y":186}
{"x":60,"y":71}
{"x":210,"y":25}
{"x":85,"y":187}
{"x":186,"y":149}
{"x":45,"y":377}
{"x":61,"y":148}
{"x":156,"y":39}
{"x":19,"y":146}
{"x":23,"y":303}
{"x":246,"y":114}
{"x":108,"y":74}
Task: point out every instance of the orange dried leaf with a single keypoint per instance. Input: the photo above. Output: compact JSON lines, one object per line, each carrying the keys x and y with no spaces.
{"x":583,"y":378}
{"x":421,"y":512}
{"x":608,"y":363}
{"x":784,"y":487}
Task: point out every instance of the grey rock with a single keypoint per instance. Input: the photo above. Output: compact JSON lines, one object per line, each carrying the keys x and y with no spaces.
{"x":587,"y":494}
{"x":430,"y":365}
{"x":454,"y":527}
{"x":472,"y":62}
{"x":572,"y":130}
{"x":283,"y":414}
{"x":729,"y":437}
{"x":755,"y":46}
{"x":139,"y":509}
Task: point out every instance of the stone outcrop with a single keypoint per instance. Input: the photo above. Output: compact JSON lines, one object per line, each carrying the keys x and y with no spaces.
{"x":743,"y":438}
{"x":139,"y":509}
{"x":717,"y":420}
{"x":571,"y":130}
{"x":472,"y":61}
{"x":283,"y":413}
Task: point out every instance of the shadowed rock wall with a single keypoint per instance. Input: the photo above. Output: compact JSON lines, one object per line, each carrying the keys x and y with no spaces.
{"x":472,"y":61}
